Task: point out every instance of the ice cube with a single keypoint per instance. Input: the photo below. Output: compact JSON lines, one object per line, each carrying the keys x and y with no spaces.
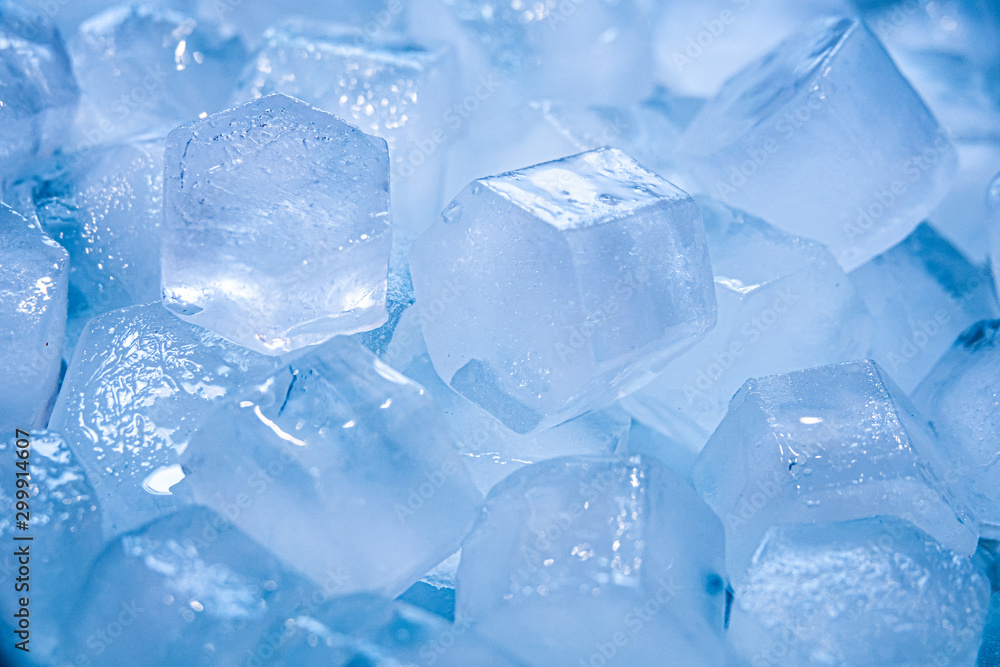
{"x":784,"y":304}
{"x":146,"y":69}
{"x":989,"y":651}
{"x":339,"y":464}
{"x":140,"y":382}
{"x":186,"y":589}
{"x":388,"y":85}
{"x":825,"y":139}
{"x":550,"y":291}
{"x":576,"y":553}
{"x":964,"y":216}
{"x":59,"y":537}
{"x":875,"y":591}
{"x":34,"y":280}
{"x":828,"y":444}
{"x":960,"y":397}
{"x":272,"y":198}
{"x":922,"y":293}
{"x":38,"y":92}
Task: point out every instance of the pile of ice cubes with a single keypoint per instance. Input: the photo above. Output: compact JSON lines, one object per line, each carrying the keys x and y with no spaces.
{"x":500,"y":332}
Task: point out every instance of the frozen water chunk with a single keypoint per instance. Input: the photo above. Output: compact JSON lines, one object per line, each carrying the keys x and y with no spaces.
{"x":989,"y":651}
{"x":340,"y":465}
{"x":490,"y":450}
{"x":64,"y":524}
{"x":572,"y":51}
{"x":922,"y":294}
{"x":146,"y":68}
{"x":573,"y":552}
{"x":368,"y":630}
{"x":960,"y":396}
{"x":835,"y":443}
{"x":38,"y":93}
{"x":104,"y":206}
{"x":784,"y":304}
{"x":187,"y":589}
{"x":550,"y":291}
{"x":964,"y":216}
{"x":139,"y":383}
{"x":388,"y":85}
{"x":870,"y":592}
{"x":272,"y":198}
{"x":824,"y":124}
{"x":34,"y":279}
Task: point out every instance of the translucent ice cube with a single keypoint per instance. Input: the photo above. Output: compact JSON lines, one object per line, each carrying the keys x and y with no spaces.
{"x":574,"y":553}
{"x":869,"y":592}
{"x":140,"y":381}
{"x":784,"y":304}
{"x":339,"y":464}
{"x":34,"y":280}
{"x":272,"y":198}
{"x":827,"y":444}
{"x":964,"y":216}
{"x":552,"y":290}
{"x":922,"y":293}
{"x":824,"y":138}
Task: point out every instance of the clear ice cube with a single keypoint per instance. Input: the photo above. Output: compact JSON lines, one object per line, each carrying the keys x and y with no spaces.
{"x":139,"y":383}
{"x":825,"y":139}
{"x":828,"y":444}
{"x":272,"y":198}
{"x":550,"y":291}
{"x":339,"y":464}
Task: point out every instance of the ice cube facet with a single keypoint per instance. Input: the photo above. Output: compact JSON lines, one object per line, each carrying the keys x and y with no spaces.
{"x":273,"y":198}
{"x":34,"y":283}
{"x":550,"y":291}
{"x":339,"y":464}
{"x":139,"y":383}
{"x":825,"y":139}
{"x":827,"y":444}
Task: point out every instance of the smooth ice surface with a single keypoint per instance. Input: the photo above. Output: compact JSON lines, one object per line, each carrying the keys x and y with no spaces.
{"x":827,"y":444}
{"x":824,"y":138}
{"x":187,"y":589}
{"x":870,"y":592}
{"x":34,"y":284}
{"x":961,"y":397}
{"x":964,"y":216}
{"x":550,"y":291}
{"x":270,"y":199}
{"x":144,"y":68}
{"x":340,"y":465}
{"x":489,"y":449}
{"x":784,"y":304}
{"x":105,"y":206}
{"x":38,"y":92}
{"x":64,"y":523}
{"x":140,"y":382}
{"x":993,"y":200}
{"x":387,"y":84}
{"x":567,"y":550}
{"x":922,"y":293}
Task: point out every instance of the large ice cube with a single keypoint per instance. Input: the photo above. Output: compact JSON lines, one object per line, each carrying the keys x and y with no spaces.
{"x":144,"y":68}
{"x":60,"y":536}
{"x":552,"y":290}
{"x":827,"y":444}
{"x":922,"y":293}
{"x":388,"y":85}
{"x":140,"y":381}
{"x":38,"y":92}
{"x":273,"y":198}
{"x":339,"y":464}
{"x":960,"y":396}
{"x":869,"y":592}
{"x":578,"y":553}
{"x":34,"y":281}
{"x":186,"y":589}
{"x":784,"y":304}
{"x":824,"y":138}
{"x":104,"y":206}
